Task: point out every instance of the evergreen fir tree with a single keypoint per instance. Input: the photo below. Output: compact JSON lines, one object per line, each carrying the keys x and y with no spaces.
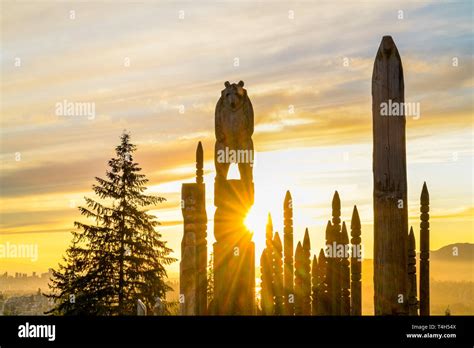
{"x":120,"y":258}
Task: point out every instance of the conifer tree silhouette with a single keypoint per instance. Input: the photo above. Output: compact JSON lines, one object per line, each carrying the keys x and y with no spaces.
{"x":119,"y":258}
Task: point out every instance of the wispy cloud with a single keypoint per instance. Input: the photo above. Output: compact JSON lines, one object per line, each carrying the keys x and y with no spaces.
{"x":307,"y":68}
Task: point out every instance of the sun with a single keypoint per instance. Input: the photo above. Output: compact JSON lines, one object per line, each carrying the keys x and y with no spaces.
{"x":253,"y":221}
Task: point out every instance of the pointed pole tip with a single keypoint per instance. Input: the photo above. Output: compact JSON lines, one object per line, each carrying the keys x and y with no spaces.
{"x":355,"y":221}
{"x":199,"y":151}
{"x":321,"y":256}
{"x":344,"y":235}
{"x":411,"y":239}
{"x":287,"y":203}
{"x":387,"y":41}
{"x":306,"y":240}
{"x":199,"y":164}
{"x":425,"y":196}
{"x":387,"y":47}
{"x":277,"y":239}
{"x":336,"y":202}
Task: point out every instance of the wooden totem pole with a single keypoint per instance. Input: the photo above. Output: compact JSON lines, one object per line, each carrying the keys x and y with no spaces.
{"x":306,"y":263}
{"x":299,"y":276}
{"x":278,"y":292}
{"x":266,"y":297}
{"x":288,"y":255}
{"x":345,"y":274}
{"x":412,"y":293}
{"x":266,"y":266}
{"x":330,"y":266}
{"x":234,"y":251}
{"x":314,"y":286}
{"x":335,"y":292}
{"x":322,"y":292}
{"x":193,"y":265}
{"x":356,"y":264}
{"x":425,"y":251}
{"x":390,"y":183}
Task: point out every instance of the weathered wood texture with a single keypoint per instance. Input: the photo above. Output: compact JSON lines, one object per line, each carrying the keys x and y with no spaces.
{"x":390,"y":185}
{"x":234,"y":251}
{"x":193,"y":265}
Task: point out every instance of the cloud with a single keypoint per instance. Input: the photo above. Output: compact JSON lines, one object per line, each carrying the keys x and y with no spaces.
{"x":287,"y":64}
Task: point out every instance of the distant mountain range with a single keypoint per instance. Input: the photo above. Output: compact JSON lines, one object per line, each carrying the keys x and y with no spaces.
{"x":458,"y":252}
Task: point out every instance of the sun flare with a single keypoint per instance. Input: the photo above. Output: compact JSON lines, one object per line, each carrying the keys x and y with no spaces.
{"x":253,"y":221}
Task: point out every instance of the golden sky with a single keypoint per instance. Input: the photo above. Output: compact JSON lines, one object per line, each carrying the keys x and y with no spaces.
{"x":157,"y":69}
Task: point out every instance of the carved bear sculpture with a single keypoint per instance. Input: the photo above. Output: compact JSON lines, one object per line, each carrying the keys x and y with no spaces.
{"x":234,"y":129}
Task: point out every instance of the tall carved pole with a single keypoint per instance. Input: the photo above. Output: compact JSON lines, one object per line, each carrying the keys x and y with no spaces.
{"x":412,"y":300}
{"x":278,"y":296}
{"x":322,"y":293}
{"x":306,"y":261}
{"x":330,"y":266}
{"x":288,"y":254}
{"x":299,"y":275}
{"x":314,"y":287}
{"x":193,"y":265}
{"x":199,"y":164}
{"x":345,"y":274}
{"x":425,"y":251}
{"x":390,"y":183}
{"x":234,"y":251}
{"x":266,"y":272}
{"x":266,"y":265}
{"x":269,"y":234}
{"x":356,"y":264}
{"x":336,"y":275}
{"x":201,"y":235}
